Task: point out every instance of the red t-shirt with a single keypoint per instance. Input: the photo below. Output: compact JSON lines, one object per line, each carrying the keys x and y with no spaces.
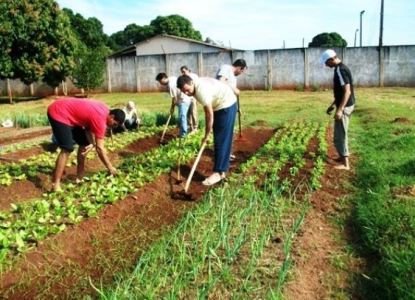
{"x":87,"y":113}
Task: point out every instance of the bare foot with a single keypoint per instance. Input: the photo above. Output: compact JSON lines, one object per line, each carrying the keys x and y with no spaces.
{"x":56,"y":188}
{"x":342,"y":167}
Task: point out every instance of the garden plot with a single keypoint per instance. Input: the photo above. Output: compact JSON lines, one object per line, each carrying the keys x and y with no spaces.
{"x":31,"y":176}
{"x":123,"y":230}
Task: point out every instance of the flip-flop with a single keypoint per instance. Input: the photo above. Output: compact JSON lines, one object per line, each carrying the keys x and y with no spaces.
{"x":212,"y":179}
{"x":232,"y":157}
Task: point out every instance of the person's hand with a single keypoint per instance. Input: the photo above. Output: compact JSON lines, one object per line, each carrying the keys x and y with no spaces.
{"x":205,"y":139}
{"x":330,"y":109}
{"x":339,"y":114}
{"x":86,"y":149}
{"x":172,"y":110}
{"x":113,"y":171}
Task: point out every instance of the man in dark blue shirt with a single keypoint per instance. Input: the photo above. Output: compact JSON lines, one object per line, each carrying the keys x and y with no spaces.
{"x":343,"y":102}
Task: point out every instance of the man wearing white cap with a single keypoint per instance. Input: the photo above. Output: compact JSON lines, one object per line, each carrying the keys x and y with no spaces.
{"x":343,"y":102}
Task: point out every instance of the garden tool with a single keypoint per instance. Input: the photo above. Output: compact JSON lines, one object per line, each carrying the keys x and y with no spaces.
{"x":179,"y":178}
{"x":239,"y":117}
{"x":165,"y":128}
{"x":192,"y":171}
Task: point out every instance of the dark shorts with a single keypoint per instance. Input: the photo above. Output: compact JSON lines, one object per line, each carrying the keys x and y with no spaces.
{"x":66,"y":136}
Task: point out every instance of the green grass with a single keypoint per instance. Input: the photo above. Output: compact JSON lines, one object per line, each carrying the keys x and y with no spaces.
{"x":385,"y":209}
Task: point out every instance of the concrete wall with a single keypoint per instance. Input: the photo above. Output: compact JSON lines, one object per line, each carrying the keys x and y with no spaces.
{"x":267,"y":69}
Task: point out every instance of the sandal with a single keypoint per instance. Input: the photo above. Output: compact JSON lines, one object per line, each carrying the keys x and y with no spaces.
{"x":212,"y":179}
{"x":232,"y":157}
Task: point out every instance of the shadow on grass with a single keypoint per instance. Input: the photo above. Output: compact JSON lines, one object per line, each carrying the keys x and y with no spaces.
{"x":5,"y":100}
{"x":405,"y":169}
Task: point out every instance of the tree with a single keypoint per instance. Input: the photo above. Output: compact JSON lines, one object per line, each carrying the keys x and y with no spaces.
{"x":175,"y":25}
{"x":88,"y":31}
{"x":328,"y":40}
{"x":36,"y":41}
{"x":88,"y":73}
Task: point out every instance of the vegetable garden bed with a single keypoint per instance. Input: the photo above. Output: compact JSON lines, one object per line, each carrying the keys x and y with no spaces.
{"x":120,"y":233}
{"x":256,"y":208}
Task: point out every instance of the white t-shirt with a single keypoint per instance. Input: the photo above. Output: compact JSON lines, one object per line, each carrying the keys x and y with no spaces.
{"x":226,"y":71}
{"x":176,"y":93}
{"x":212,"y":91}
{"x":194,"y":76}
{"x":129,"y":114}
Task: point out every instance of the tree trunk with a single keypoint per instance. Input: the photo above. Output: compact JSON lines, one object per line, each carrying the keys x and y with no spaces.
{"x":9,"y":91}
{"x":32,"y":89}
{"x":64,"y":88}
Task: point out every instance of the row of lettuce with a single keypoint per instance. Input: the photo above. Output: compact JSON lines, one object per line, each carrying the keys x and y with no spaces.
{"x":44,"y":163}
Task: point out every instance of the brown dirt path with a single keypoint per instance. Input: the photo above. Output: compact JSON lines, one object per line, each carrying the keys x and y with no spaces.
{"x":99,"y":248}
{"x":320,"y":241}
{"x":14,"y":135}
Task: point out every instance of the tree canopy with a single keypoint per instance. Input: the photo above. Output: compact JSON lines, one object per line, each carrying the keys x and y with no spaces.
{"x":36,"y":41}
{"x":88,"y":31}
{"x":328,"y":40}
{"x":173,"y":25}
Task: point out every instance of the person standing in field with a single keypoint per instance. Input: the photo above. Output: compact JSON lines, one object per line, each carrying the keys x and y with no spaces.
{"x":179,"y":99}
{"x":219,"y":103}
{"x":192,"y":117}
{"x":84,"y":122}
{"x":228,"y":73}
{"x":343,"y":103}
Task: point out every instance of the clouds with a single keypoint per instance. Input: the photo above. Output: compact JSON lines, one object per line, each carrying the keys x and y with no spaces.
{"x":261,"y":24}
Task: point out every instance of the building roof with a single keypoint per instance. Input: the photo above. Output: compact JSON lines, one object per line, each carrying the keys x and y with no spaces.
{"x":131,"y":50}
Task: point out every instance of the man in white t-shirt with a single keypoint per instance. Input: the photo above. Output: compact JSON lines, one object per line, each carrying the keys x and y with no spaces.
{"x":219,"y":103}
{"x":228,"y":73}
{"x":182,"y":101}
{"x":192,"y":117}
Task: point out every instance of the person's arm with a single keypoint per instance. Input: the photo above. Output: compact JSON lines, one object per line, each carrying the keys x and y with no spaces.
{"x":102,"y":154}
{"x":91,"y":141}
{"x":208,"y":120}
{"x":346,"y":95}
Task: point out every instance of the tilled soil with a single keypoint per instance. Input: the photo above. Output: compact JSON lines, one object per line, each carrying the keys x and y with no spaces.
{"x":95,"y":250}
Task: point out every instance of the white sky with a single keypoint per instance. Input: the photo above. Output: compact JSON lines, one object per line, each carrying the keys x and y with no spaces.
{"x":263,"y":24}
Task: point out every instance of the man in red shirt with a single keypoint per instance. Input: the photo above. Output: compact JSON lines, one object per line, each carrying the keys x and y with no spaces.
{"x":84,"y":122}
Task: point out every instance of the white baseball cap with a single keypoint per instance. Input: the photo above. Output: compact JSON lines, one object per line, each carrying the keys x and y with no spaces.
{"x":130,"y":105}
{"x":329,"y":53}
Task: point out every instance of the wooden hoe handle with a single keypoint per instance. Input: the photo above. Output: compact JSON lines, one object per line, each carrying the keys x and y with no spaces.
{"x":199,"y":155}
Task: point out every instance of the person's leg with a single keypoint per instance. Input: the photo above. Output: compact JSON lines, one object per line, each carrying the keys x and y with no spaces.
{"x":79,"y":136}
{"x":183,"y":108}
{"x":223,"y":126}
{"x":341,"y":138}
{"x":59,"y":168}
{"x":64,"y":139}
{"x":189,"y":118}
